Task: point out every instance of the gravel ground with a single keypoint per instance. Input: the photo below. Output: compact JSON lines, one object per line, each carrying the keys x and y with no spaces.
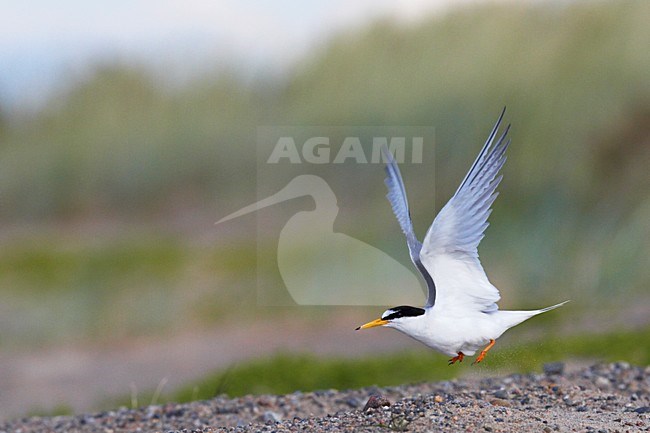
{"x":602,"y":398}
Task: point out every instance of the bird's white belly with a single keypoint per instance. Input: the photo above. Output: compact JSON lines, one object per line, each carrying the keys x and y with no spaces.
{"x":450,"y":335}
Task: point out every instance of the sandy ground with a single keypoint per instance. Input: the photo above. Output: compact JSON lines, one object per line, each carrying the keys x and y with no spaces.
{"x":604,"y":398}
{"x":82,"y":377}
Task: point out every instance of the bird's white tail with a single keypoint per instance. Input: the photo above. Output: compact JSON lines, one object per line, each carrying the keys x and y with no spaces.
{"x":513,"y":318}
{"x":552,"y":307}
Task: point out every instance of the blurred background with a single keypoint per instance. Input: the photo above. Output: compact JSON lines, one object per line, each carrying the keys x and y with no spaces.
{"x":127,"y":129}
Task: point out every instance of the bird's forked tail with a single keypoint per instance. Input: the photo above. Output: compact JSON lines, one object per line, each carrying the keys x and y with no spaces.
{"x":513,"y":318}
{"x":552,"y":307}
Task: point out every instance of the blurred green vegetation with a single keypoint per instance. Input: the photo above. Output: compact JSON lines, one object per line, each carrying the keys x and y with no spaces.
{"x":574,"y":219}
{"x":286,"y":373}
{"x":56,"y":289}
{"x":61,"y":410}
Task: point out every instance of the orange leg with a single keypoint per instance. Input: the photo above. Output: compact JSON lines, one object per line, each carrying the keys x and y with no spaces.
{"x":481,"y":355}
{"x":458,"y":358}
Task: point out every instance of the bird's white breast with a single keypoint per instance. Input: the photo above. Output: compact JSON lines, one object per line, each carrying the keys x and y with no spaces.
{"x":451,"y":333}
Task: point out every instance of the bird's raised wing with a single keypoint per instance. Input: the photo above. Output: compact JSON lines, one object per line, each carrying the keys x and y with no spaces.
{"x":449,"y":251}
{"x":397,"y":197}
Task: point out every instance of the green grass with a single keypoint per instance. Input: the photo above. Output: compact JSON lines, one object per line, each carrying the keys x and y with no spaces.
{"x":49,"y":265}
{"x":63,"y":287}
{"x":60,"y":410}
{"x":286,"y":373}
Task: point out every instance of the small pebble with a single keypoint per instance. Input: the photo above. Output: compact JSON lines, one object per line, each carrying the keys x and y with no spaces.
{"x":500,"y":402}
{"x":271,"y":417}
{"x":602,"y":382}
{"x":376,"y":401}
{"x":553,"y":368}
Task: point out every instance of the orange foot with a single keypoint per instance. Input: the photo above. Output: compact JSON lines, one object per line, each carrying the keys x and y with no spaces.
{"x":458,"y":358}
{"x":481,"y":355}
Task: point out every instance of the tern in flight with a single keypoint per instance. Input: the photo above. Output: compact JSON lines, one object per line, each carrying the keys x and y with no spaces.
{"x":461,"y":315}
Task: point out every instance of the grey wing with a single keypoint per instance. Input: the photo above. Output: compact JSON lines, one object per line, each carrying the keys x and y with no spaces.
{"x":450,"y":251}
{"x":398,"y":201}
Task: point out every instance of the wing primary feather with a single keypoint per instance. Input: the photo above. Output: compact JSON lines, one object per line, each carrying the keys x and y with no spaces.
{"x":486,"y":146}
{"x":399,"y":203}
{"x":494,"y":155}
{"x":397,"y":197}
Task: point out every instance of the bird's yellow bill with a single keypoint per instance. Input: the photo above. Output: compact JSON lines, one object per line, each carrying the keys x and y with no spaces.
{"x":372,"y":324}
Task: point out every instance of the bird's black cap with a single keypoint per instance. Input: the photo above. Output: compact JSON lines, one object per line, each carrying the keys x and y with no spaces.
{"x":402,"y":311}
